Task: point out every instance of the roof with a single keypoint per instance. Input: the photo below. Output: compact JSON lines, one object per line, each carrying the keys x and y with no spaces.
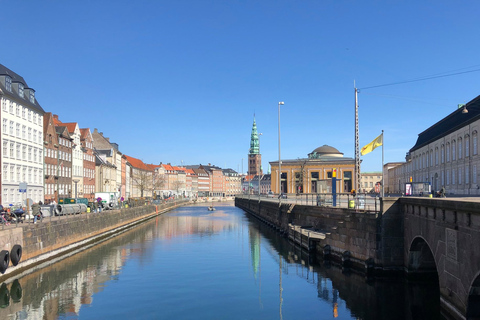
{"x":14,"y":94}
{"x":449,"y":124}
{"x":167,"y":167}
{"x":137,"y":163}
{"x":70,"y":126}
{"x":325,"y":151}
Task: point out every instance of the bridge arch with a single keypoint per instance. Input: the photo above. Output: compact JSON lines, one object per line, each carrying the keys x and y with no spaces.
{"x":473,"y":304}
{"x":421,"y":260}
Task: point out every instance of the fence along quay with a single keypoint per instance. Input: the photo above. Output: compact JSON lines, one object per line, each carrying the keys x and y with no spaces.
{"x":59,"y":236}
{"x":414,"y":236}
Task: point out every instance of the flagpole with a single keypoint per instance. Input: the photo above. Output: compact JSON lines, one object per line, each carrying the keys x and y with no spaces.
{"x":383,"y":168}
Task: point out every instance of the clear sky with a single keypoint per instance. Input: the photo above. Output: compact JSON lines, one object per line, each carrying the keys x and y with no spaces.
{"x":180,"y":81}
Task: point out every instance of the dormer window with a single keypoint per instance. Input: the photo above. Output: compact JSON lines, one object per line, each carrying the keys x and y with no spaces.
{"x":8,"y":83}
{"x":20,"y":90}
{"x":32,"y":96}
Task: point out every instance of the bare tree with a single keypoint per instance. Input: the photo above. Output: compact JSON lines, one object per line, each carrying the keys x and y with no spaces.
{"x":142,"y":180}
{"x":159,"y":182}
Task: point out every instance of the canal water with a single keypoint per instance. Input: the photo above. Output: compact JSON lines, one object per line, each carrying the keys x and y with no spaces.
{"x":192,"y":263}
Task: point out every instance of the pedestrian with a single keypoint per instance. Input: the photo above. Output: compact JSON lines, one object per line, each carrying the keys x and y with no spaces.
{"x":36,"y":212}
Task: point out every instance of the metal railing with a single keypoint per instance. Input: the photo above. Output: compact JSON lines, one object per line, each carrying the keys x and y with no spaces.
{"x":360,"y":202}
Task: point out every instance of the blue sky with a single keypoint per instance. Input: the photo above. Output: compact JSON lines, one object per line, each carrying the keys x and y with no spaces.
{"x":180,"y":81}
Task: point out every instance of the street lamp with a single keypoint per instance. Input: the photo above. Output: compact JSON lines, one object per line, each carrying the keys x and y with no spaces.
{"x":279,"y":158}
{"x":259,"y":170}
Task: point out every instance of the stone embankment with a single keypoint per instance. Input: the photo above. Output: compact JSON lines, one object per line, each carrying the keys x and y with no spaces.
{"x":56,"y":237}
{"x":363,"y":240}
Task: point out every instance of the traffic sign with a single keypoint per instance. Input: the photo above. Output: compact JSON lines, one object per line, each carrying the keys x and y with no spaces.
{"x":22,"y":188}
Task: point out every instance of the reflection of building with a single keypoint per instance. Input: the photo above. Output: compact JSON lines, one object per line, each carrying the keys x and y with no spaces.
{"x":314,"y":174}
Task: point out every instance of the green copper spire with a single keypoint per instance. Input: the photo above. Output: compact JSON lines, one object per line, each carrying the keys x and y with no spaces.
{"x":254,"y":140}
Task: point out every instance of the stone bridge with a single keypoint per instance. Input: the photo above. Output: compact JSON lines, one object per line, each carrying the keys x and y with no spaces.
{"x":442,"y":236}
{"x":421,"y":236}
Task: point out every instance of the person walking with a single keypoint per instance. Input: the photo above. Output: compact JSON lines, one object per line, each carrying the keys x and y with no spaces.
{"x":36,"y":212}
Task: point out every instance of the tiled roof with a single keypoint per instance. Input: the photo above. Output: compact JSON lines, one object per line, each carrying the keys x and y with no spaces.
{"x":137,"y":163}
{"x":167,"y":167}
{"x":70,"y":126}
{"x":449,"y":124}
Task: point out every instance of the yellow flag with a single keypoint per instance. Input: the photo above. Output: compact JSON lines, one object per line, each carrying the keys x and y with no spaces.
{"x":372,"y":145}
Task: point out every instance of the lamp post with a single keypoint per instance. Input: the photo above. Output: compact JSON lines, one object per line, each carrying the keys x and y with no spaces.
{"x":259,"y":170}
{"x":279,"y":158}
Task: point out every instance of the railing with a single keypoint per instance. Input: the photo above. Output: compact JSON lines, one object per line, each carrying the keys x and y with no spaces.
{"x":361,"y":202}
{"x":50,"y":212}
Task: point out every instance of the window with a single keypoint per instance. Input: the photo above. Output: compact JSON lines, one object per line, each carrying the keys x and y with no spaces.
{"x":475,"y":142}
{"x":453,"y":154}
{"x":11,"y":128}
{"x":4,"y":104}
{"x":467,"y":146}
{"x":11,"y":107}
{"x":32,"y":96}
{"x":24,"y":110}
{"x":24,"y":132}
{"x":12,"y":172}
{"x":17,"y":111}
{"x":459,"y":175}
{"x":20,"y":90}
{"x":448,"y":177}
{"x":467,"y":174}
{"x":453,"y":176}
{"x":448,"y":152}
{"x":460,"y":144}
{"x":12,"y":152}
{"x":29,"y":134}
{"x":5,"y":147}
{"x":5,"y":124}
{"x":24,"y":153}
{"x":436,"y":156}
{"x":35,"y":118}
{"x":474,"y":173}
{"x":18,"y":151}
{"x":29,"y":115}
{"x":17,"y":130}
{"x":431,"y":158}
{"x":18,"y":173}
{"x":8,"y":83}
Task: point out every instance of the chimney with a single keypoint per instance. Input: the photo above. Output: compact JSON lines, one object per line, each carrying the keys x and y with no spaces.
{"x":55,"y":116}
{"x":95,"y":130}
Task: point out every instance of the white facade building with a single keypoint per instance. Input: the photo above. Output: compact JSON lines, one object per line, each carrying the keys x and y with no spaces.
{"x":21,"y":140}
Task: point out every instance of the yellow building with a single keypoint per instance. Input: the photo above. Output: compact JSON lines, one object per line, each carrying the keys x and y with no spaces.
{"x":314,"y":174}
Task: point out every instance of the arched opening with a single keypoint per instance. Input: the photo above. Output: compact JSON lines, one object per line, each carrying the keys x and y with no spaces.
{"x":420,"y":260}
{"x":423,"y":294}
{"x":473,"y":306}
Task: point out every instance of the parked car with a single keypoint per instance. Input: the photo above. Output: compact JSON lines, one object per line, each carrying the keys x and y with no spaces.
{"x":270,"y":194}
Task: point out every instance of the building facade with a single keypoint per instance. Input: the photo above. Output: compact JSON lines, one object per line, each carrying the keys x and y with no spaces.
{"x":445,"y":155}
{"x":314,"y":174}
{"x":21,"y":134}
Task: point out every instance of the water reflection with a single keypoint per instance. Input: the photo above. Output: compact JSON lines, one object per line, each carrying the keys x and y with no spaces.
{"x":281,"y":274}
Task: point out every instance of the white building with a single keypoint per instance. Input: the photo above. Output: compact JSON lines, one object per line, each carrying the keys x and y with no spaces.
{"x":446,"y":154}
{"x":21,"y":139}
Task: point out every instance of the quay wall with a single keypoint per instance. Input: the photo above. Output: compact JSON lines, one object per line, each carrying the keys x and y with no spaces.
{"x":364,"y":235}
{"x":56,"y":236}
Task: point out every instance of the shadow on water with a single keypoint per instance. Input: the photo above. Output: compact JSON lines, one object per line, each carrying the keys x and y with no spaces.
{"x":366,"y":297}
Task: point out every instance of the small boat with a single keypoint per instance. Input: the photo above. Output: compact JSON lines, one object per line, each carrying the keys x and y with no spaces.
{"x":211,"y":208}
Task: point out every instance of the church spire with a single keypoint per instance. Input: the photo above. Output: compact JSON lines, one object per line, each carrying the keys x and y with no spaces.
{"x":254,"y":140}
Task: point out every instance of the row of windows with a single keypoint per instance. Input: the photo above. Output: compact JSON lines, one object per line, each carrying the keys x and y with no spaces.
{"x":18,"y":151}
{"x":12,"y":196}
{"x":13,"y":129}
{"x":18,"y":173}
{"x":58,"y":170}
{"x":448,"y":152}
{"x":88,"y":157}
{"x":50,"y":189}
{"x":87,"y":188}
{"x":88,"y":173}
{"x":18,"y":110}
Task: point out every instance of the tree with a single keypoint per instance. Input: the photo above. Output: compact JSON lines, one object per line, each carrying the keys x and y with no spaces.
{"x":159,"y":182}
{"x":142,"y":181}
